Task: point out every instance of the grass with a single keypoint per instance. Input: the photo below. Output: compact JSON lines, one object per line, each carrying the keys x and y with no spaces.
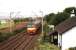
{"x":4,"y":26}
{"x":47,"y":46}
{"x":41,"y":45}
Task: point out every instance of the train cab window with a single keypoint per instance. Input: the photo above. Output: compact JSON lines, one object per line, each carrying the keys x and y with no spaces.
{"x":29,"y":25}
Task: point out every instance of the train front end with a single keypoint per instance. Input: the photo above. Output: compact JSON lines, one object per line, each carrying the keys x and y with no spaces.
{"x":31,"y":29}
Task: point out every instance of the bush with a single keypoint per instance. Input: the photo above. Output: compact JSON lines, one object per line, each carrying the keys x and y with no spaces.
{"x":72,"y":48}
{"x":5,"y":36}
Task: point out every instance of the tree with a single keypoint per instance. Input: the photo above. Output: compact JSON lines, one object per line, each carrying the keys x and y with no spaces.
{"x":49,"y":17}
{"x":55,"y":19}
{"x":59,"y":17}
{"x":69,"y":10}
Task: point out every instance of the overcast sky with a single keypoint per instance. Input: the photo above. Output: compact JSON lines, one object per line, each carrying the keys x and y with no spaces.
{"x":32,"y":7}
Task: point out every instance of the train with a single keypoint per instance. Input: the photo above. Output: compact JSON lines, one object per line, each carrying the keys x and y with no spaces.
{"x":33,"y":27}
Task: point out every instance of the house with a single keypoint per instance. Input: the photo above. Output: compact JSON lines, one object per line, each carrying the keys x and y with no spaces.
{"x":65,"y":34}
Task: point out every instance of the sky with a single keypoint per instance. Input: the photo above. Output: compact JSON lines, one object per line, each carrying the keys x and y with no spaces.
{"x":33,"y":7}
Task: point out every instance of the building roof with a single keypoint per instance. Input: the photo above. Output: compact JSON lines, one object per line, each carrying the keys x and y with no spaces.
{"x":66,"y":25}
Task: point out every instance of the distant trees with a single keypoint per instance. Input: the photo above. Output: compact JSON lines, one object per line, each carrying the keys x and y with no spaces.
{"x":21,"y":20}
{"x":58,"y":18}
{"x":55,"y":19}
{"x":49,"y":17}
{"x":69,"y":10}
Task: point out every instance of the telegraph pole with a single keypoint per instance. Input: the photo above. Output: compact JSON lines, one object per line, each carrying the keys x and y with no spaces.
{"x":10,"y":21}
{"x":42,"y":22}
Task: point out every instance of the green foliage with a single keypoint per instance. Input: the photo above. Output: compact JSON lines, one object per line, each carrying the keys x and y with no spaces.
{"x":46,"y":28}
{"x":58,"y":18}
{"x":49,"y":17}
{"x":72,"y":48}
{"x":5,"y":36}
{"x":55,"y":19}
{"x":69,"y":10}
{"x":16,"y":20}
{"x":20,"y":20}
{"x":45,"y":46}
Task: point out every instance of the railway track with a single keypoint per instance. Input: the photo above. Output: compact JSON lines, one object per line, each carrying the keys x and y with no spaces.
{"x":24,"y":44}
{"x":11,"y":41}
{"x":31,"y":44}
{"x":33,"y":40}
{"x":21,"y":41}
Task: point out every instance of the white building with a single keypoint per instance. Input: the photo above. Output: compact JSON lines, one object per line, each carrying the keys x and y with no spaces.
{"x":67,"y":34}
{"x":69,"y":39}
